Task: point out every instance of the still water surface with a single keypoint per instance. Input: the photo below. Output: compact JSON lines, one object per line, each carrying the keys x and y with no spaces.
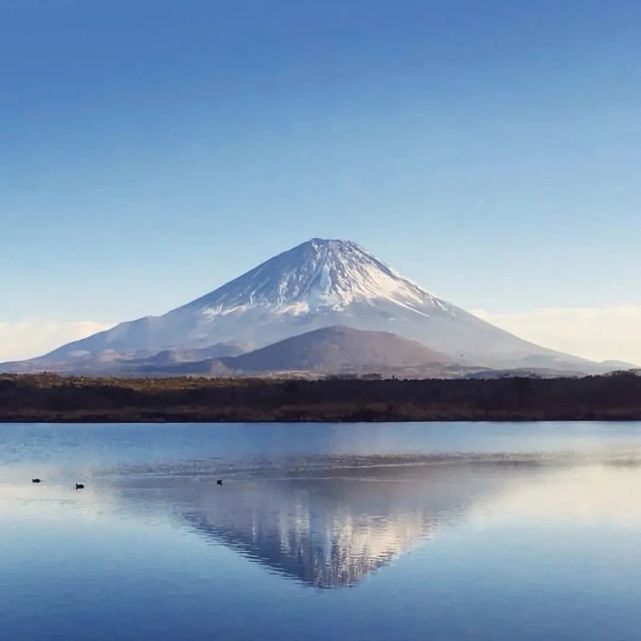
{"x":373,"y":532}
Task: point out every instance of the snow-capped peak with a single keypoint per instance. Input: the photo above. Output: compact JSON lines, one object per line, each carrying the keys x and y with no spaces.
{"x":318,"y":274}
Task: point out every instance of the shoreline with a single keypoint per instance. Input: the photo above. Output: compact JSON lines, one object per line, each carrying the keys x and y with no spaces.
{"x":48,"y":398}
{"x":302,"y":421}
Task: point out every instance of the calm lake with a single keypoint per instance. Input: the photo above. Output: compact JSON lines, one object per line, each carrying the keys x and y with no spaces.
{"x":399,"y":532}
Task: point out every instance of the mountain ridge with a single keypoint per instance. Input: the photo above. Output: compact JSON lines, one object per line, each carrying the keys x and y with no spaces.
{"x":337,"y":348}
{"x":319,"y":283}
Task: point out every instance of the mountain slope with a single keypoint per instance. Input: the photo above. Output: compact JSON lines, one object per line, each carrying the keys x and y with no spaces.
{"x":335,"y":349}
{"x":320,"y":283}
{"x":125,"y":363}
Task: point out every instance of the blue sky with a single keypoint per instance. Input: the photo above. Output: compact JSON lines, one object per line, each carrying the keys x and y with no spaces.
{"x":150,"y":151}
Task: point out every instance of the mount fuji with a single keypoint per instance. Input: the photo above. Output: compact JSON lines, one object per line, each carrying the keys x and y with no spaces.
{"x":318,"y":284}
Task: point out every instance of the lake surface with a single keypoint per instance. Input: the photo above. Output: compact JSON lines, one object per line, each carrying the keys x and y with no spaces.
{"x":395,"y":532}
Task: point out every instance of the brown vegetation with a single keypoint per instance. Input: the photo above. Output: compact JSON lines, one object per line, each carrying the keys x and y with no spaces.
{"x":47,"y":397}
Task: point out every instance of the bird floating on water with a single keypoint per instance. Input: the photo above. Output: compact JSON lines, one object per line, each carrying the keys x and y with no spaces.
{"x":80,"y":486}
{"x":35,"y":481}
{"x":219,"y":482}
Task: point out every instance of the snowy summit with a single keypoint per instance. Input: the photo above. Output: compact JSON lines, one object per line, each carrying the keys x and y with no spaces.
{"x":318,"y":274}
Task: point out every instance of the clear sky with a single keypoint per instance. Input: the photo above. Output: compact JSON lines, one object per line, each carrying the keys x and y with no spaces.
{"x":152,"y":150}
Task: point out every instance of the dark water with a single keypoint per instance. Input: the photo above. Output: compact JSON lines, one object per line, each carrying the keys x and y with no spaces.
{"x":372,"y":532}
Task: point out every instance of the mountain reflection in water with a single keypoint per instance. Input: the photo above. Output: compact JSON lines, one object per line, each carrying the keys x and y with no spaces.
{"x":458,"y":531}
{"x":327,"y":528}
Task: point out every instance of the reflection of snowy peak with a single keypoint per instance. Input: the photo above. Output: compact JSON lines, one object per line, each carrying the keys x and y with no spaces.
{"x":334,"y":520}
{"x":318,"y":284}
{"x":317,"y":275}
{"x":318,"y":542}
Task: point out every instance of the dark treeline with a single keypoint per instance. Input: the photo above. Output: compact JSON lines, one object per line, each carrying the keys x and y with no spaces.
{"x":53,"y":398}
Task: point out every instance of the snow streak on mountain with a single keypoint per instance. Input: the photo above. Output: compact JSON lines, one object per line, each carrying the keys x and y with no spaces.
{"x":315,"y":276}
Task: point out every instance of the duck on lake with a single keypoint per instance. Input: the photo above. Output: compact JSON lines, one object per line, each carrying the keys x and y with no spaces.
{"x":80,"y":486}
{"x":36,"y":480}
{"x":219,"y":482}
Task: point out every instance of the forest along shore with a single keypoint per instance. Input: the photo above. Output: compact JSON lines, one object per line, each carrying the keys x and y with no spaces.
{"x":45,"y":398}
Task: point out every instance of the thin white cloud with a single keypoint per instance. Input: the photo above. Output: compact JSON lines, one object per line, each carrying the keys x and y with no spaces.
{"x":34,"y":337}
{"x":598,"y":333}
